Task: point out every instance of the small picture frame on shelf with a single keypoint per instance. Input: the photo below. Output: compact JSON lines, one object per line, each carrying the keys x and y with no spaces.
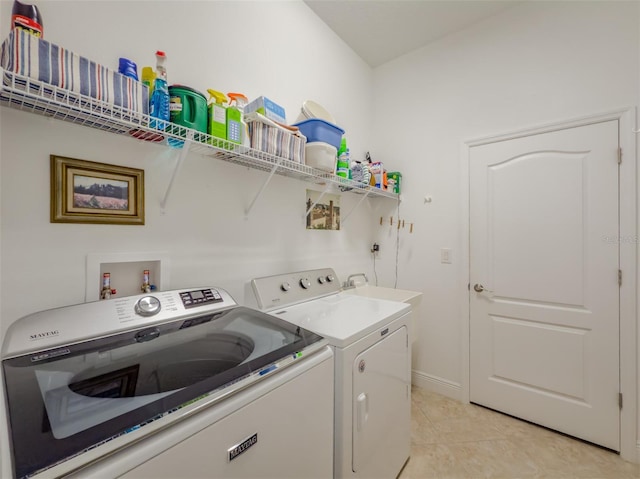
{"x":88,"y":192}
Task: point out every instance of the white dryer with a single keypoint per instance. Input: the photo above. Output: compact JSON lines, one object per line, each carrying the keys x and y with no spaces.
{"x":370,"y":338}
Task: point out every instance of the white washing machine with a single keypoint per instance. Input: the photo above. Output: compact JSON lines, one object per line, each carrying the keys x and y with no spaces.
{"x":174,"y":384}
{"x":370,"y":338}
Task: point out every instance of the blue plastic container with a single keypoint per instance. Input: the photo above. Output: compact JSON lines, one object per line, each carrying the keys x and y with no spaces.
{"x":128,"y":68}
{"x":316,"y":129}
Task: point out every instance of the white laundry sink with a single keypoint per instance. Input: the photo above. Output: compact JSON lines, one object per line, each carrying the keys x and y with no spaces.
{"x":390,"y":294}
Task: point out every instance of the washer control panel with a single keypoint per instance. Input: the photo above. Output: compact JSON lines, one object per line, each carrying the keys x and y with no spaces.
{"x":199,"y":297}
{"x":291,"y":288}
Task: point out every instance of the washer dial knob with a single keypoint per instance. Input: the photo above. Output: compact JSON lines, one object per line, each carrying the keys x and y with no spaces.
{"x":321,"y":279}
{"x":305,"y":283}
{"x":148,"y":306}
{"x":330,"y":278}
{"x":285,"y":286}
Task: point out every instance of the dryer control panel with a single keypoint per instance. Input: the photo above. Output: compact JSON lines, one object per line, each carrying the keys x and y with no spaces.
{"x":292,"y":288}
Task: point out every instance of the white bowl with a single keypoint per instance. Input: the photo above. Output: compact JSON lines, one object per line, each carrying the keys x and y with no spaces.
{"x":311,"y":109}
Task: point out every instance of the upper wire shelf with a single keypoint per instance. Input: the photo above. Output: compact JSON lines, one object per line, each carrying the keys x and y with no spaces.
{"x":24,"y":93}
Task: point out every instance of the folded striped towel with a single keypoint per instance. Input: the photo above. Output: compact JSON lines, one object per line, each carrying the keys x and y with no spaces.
{"x":275,"y":139}
{"x":33,"y":57}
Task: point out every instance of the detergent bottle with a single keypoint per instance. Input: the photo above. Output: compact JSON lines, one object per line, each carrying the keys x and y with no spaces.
{"x":159,"y":103}
{"x":343,"y":165}
{"x":217,"y":115}
{"x":148,"y":78}
{"x":236,"y":127}
{"x":27,"y":17}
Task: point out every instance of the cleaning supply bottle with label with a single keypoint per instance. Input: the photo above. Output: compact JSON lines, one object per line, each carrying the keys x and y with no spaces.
{"x":217,"y":116}
{"x":159,"y":104}
{"x":148,"y":78}
{"x":236,"y":127}
{"x":343,"y":167}
{"x":27,"y":17}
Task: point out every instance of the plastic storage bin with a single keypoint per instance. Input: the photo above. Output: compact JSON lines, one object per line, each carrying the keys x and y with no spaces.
{"x":321,"y":155}
{"x":316,"y":129}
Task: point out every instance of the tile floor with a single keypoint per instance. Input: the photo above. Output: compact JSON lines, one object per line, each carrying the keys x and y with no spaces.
{"x":450,"y":439}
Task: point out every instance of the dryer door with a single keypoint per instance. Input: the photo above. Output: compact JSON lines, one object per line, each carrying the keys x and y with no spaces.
{"x":382,"y":407}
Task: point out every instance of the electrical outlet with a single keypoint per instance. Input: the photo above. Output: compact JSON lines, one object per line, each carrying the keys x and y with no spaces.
{"x":375,"y":248}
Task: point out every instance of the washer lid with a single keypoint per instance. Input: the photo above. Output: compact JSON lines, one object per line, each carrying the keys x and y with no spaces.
{"x":343,"y":318}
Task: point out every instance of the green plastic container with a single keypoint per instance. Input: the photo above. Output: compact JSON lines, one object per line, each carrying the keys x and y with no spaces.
{"x":188,"y":108}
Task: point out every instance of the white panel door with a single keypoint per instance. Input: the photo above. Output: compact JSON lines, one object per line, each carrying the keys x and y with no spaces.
{"x":382,"y":407}
{"x":544,"y":326}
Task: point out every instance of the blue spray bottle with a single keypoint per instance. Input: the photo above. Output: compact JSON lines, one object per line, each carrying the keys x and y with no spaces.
{"x":159,"y":104}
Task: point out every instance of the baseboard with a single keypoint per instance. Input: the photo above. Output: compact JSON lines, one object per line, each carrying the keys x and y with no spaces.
{"x":436,"y":384}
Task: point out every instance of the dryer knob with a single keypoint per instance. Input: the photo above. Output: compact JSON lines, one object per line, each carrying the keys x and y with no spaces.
{"x":148,"y":306}
{"x":330,"y":278}
{"x":321,"y":279}
{"x":285,"y":286}
{"x":305,"y":283}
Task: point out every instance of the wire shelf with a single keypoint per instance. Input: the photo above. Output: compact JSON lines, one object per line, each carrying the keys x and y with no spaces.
{"x":24,"y":93}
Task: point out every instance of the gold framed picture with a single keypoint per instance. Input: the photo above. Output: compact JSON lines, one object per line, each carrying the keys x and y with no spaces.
{"x":88,"y":192}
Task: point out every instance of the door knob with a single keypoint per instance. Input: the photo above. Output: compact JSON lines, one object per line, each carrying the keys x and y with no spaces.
{"x":478,"y":288}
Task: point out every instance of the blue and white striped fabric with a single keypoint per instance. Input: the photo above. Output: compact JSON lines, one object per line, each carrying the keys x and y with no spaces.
{"x":266,"y":135}
{"x":30,"y":56}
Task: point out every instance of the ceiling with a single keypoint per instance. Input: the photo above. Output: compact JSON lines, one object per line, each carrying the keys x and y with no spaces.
{"x":381,"y":30}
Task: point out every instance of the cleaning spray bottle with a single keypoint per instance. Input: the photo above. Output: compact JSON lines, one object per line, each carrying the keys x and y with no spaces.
{"x":159,"y":104}
{"x":217,"y":116}
{"x":237,"y":131}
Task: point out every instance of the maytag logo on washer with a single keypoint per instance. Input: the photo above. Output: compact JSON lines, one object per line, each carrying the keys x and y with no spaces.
{"x":238,"y":449}
{"x":44,"y":334}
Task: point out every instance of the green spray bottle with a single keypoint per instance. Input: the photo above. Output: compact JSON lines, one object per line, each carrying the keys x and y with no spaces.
{"x":217,"y":115}
{"x":236,"y":127}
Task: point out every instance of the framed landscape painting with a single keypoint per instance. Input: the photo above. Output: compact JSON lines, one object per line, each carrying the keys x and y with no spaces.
{"x":88,"y":192}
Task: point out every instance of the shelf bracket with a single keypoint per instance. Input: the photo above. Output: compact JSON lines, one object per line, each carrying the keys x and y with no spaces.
{"x":264,"y":187}
{"x":184,"y":151}
{"x":317,"y":201}
{"x":344,"y":219}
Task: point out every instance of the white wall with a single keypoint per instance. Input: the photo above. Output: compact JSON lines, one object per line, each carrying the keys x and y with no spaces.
{"x":533,"y":64}
{"x":278,"y":49}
